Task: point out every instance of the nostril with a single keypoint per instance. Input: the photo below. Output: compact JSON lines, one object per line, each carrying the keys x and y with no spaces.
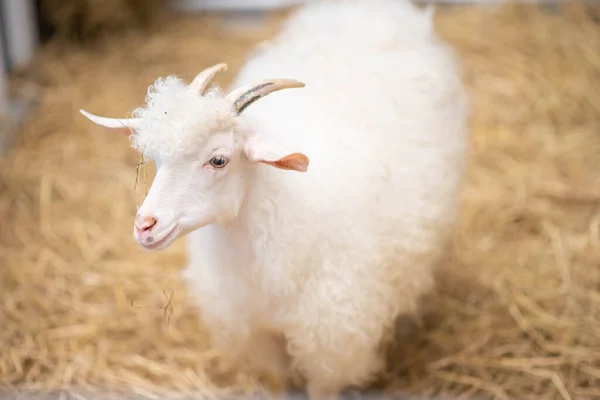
{"x":143,"y":224}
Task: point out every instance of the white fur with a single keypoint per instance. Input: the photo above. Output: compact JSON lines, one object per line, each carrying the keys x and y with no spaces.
{"x":176,"y":122}
{"x":331,"y":257}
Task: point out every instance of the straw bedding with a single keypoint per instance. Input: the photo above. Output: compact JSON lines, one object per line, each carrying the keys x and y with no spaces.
{"x":517,"y":310}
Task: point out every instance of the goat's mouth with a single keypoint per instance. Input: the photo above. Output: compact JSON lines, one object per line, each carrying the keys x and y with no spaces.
{"x":160,"y":241}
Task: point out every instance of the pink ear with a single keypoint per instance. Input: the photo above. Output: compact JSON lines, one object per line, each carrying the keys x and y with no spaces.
{"x":266,"y":151}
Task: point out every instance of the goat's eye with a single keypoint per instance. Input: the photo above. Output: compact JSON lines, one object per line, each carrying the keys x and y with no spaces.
{"x":218,"y":161}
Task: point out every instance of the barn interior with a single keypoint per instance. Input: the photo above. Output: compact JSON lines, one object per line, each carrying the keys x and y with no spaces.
{"x":84,"y":311}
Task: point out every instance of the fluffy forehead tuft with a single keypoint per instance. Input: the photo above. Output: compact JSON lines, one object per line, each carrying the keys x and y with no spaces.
{"x":176,"y":122}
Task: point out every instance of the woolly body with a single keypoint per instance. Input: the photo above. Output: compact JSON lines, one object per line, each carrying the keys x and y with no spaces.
{"x":330,"y":258}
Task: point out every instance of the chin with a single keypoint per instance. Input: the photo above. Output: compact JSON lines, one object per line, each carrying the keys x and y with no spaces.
{"x":161,"y":244}
{"x":156,"y":247}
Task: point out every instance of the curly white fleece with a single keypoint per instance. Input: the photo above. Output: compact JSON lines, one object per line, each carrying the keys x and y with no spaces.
{"x":330,"y":258}
{"x":176,"y":121}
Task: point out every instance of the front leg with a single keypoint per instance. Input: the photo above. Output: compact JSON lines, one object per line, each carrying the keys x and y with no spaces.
{"x":227,"y":316}
{"x":336,"y":335}
{"x":214,"y":288}
{"x":224,"y":322}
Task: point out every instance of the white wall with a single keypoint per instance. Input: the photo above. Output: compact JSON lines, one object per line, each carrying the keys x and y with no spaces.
{"x":21,"y":30}
{"x":3,"y":95}
{"x":18,"y":41}
{"x":196,"y":5}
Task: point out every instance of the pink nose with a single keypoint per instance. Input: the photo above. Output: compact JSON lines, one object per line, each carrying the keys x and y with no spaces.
{"x":143,"y":224}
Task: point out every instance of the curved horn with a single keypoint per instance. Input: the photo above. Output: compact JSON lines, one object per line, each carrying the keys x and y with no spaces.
{"x":201,"y":81}
{"x":121,"y":125}
{"x":244,"y":96}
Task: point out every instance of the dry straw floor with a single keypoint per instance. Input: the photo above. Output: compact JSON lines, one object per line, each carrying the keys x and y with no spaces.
{"x":517,"y":311}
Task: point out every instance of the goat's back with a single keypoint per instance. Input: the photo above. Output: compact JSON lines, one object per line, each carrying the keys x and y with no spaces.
{"x":382,"y":119}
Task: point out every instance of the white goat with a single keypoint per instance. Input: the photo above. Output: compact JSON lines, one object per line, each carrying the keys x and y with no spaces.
{"x":327,"y":259}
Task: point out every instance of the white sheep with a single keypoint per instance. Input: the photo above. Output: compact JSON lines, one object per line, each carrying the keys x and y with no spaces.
{"x":330,"y":258}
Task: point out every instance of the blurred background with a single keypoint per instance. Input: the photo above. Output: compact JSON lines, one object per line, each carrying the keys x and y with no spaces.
{"x":516,"y":314}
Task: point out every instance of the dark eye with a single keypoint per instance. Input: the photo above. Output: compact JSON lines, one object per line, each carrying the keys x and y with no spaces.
{"x":218,"y":161}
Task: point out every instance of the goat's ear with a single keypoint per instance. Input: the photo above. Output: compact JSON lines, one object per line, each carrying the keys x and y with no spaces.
{"x":266,"y":151}
{"x":122,"y":126}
